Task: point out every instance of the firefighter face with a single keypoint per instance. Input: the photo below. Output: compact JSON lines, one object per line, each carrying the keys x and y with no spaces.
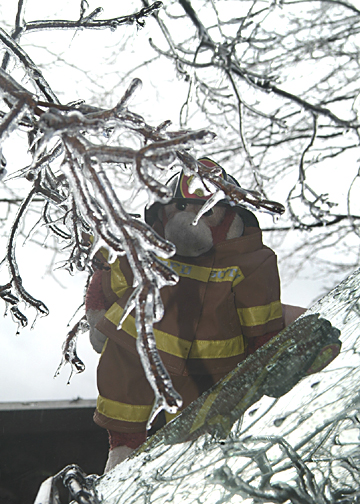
{"x":190,"y":240}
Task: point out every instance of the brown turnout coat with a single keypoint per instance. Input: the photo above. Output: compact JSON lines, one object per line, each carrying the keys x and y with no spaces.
{"x":224,"y":300}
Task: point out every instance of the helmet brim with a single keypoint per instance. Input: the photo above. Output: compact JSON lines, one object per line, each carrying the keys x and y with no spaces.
{"x":249,"y":219}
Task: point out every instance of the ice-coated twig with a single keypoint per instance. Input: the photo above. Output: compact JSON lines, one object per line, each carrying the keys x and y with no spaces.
{"x":307,"y":491}
{"x":7,"y":295}
{"x":90,"y":21}
{"x":233,"y":193}
{"x":122,"y":104}
{"x":13,"y":267}
{"x":118,"y":221}
{"x":10,"y":299}
{"x":32,"y":70}
{"x":52,"y":225}
{"x":306,"y":477}
{"x":69,"y":349}
{"x":166,"y":396}
{"x":20,"y":100}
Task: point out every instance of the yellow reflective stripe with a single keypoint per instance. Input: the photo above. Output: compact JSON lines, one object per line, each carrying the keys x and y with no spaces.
{"x":164,"y":341}
{"x":118,"y":281}
{"x":238,"y":278}
{"x":198,"y":349}
{"x":201,"y":273}
{"x":121,"y":411}
{"x":217,"y":349}
{"x":171,"y":416}
{"x":259,"y":315}
{"x":103,"y":250}
{"x":232,"y":274}
{"x":184,"y":270}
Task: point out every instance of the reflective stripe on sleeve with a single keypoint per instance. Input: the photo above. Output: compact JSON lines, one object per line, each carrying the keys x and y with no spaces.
{"x":260,"y":315}
{"x":122,"y":411}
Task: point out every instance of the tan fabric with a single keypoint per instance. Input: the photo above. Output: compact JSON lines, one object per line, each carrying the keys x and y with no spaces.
{"x":224,"y":297}
{"x":116,"y":456}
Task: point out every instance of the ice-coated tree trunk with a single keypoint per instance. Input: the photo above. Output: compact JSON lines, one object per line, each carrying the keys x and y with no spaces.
{"x":300,"y":448}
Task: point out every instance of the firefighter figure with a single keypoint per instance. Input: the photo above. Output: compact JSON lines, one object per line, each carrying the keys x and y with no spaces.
{"x":225,"y":305}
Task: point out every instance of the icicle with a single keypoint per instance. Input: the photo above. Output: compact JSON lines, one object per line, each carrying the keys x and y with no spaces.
{"x":129,"y":307}
{"x":166,"y":396}
{"x":210,"y":203}
{"x":19,"y":318}
{"x":34,"y":321}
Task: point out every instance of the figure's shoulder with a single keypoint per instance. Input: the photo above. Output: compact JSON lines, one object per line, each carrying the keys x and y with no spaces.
{"x":250,"y":241}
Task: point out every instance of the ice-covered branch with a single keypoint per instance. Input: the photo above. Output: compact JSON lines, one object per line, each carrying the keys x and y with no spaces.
{"x":69,"y":348}
{"x":90,"y":22}
{"x":235,"y":194}
{"x":81,"y":201}
{"x":18,"y":99}
{"x":16,"y":279}
{"x":32,"y":70}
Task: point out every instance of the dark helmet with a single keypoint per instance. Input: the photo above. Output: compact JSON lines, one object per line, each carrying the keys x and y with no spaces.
{"x":179,"y":183}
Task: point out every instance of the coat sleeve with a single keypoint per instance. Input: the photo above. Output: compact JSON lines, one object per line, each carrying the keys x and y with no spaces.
{"x":257,"y":299}
{"x":106,"y":286}
{"x":95,"y":310}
